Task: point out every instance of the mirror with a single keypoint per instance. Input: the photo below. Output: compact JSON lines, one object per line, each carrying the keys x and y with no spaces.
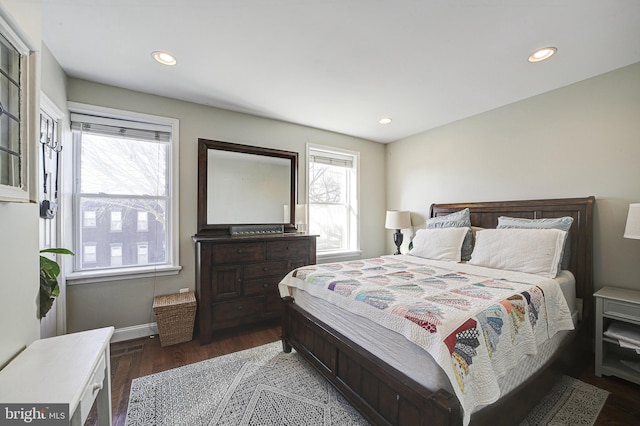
{"x":244,"y":185}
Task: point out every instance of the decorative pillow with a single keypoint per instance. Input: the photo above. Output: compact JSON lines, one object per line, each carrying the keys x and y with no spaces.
{"x":561,"y":223}
{"x":439,"y":244}
{"x":460,"y":219}
{"x":534,"y":251}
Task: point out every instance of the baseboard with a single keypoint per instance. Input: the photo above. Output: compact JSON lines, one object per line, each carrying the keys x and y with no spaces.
{"x":134,"y":332}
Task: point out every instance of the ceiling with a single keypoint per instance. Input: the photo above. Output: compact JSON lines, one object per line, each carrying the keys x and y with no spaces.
{"x":341,"y":65}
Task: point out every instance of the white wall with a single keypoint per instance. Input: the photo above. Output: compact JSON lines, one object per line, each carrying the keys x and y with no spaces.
{"x":19,"y":228}
{"x":128,"y":302}
{"x":580,"y":140}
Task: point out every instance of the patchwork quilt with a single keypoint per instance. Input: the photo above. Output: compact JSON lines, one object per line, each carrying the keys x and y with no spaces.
{"x":476,"y":323}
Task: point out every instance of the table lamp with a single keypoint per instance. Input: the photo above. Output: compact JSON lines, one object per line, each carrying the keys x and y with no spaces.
{"x":301,"y":217}
{"x":398,"y":220}
{"x":632,"y":229}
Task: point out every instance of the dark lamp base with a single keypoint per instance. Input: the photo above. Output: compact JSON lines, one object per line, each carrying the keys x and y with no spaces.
{"x":397,"y":239}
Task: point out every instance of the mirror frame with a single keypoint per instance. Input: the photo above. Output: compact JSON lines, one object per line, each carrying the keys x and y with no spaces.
{"x":204,"y":145}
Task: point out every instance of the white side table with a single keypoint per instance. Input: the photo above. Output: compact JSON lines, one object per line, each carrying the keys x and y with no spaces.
{"x":71,"y":369}
{"x":616,"y":305}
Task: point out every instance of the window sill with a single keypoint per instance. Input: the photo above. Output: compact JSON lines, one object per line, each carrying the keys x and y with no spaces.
{"x":338,"y":256}
{"x":87,"y":277}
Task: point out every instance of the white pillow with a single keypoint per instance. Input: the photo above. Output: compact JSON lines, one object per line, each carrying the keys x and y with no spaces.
{"x":534,"y":251}
{"x":439,"y":243}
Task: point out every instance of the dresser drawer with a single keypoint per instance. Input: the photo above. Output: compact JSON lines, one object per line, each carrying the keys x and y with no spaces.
{"x":258,"y":270}
{"x":261,"y":286}
{"x":228,"y":311}
{"x":93,"y":387}
{"x":621,"y":309}
{"x":238,"y":253}
{"x":277,"y":250}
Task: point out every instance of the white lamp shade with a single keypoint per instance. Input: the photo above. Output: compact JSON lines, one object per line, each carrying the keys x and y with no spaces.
{"x":398,"y":219}
{"x":301,"y":214}
{"x":632,"y":230}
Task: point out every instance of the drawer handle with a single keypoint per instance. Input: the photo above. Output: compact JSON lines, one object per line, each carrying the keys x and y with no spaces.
{"x":240,"y":308}
{"x":240,"y":251}
{"x":96,"y":387}
{"x":265,"y":269}
{"x":265,"y":285}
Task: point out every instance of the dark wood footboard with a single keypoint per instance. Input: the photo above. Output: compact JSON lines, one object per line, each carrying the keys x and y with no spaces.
{"x":386,"y":396}
{"x":382,"y":394}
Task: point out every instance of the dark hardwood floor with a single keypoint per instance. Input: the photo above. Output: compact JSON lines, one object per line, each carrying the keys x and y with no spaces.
{"x":141,"y":357}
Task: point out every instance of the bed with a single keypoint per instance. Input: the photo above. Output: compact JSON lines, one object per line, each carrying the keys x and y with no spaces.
{"x":385,"y":392}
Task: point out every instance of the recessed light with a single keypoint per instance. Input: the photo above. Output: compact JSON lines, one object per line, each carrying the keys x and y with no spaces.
{"x":384,"y":120}
{"x":164,"y":57}
{"x":542,"y":54}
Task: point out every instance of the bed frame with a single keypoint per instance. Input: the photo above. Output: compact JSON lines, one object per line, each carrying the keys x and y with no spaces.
{"x":383,"y":395}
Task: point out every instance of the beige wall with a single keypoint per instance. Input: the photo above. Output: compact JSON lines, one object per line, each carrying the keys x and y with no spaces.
{"x":128,"y":302}
{"x":19,"y":227}
{"x":54,"y":80}
{"x":580,"y":140}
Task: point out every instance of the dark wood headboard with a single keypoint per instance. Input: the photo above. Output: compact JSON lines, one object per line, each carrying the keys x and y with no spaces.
{"x":485,"y":215}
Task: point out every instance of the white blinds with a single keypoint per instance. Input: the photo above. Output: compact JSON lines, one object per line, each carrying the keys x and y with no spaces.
{"x":120,"y":128}
{"x":330,"y":158}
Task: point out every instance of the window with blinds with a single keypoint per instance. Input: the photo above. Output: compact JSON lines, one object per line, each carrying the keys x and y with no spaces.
{"x":333,"y":198}
{"x":122,"y":174}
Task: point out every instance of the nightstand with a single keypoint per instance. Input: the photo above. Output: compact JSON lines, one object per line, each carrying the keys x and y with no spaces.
{"x":623,"y":306}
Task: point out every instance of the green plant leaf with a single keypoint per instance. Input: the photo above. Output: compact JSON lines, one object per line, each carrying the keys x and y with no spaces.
{"x":49,"y":267}
{"x":57,"y":251}
{"x":49,"y":271}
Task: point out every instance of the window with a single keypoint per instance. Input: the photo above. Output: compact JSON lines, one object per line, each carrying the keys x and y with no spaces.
{"x":143,"y":221}
{"x":89,"y":252}
{"x":143,"y":253}
{"x":124,"y":182}
{"x":116,"y":254}
{"x":333,"y":199}
{"x":15,"y":94}
{"x":116,"y":221}
{"x":89,"y":220}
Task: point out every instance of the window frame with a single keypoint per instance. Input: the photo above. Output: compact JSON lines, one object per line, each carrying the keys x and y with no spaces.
{"x":353,"y":251}
{"x":29,"y":114}
{"x":172,"y":266}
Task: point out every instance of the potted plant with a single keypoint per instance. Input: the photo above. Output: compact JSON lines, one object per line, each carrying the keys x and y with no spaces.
{"x":49,"y":271}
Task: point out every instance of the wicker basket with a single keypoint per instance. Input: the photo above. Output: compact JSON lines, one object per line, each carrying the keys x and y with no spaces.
{"x":175,"y":314}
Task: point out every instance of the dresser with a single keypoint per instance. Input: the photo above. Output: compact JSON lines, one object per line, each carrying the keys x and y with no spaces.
{"x":237,"y":277}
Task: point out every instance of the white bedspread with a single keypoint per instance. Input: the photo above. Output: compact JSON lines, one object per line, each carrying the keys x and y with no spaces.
{"x":476,"y":325}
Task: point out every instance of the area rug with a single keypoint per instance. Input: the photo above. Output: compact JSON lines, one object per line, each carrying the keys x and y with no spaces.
{"x":570,"y":402}
{"x":264,"y":386}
